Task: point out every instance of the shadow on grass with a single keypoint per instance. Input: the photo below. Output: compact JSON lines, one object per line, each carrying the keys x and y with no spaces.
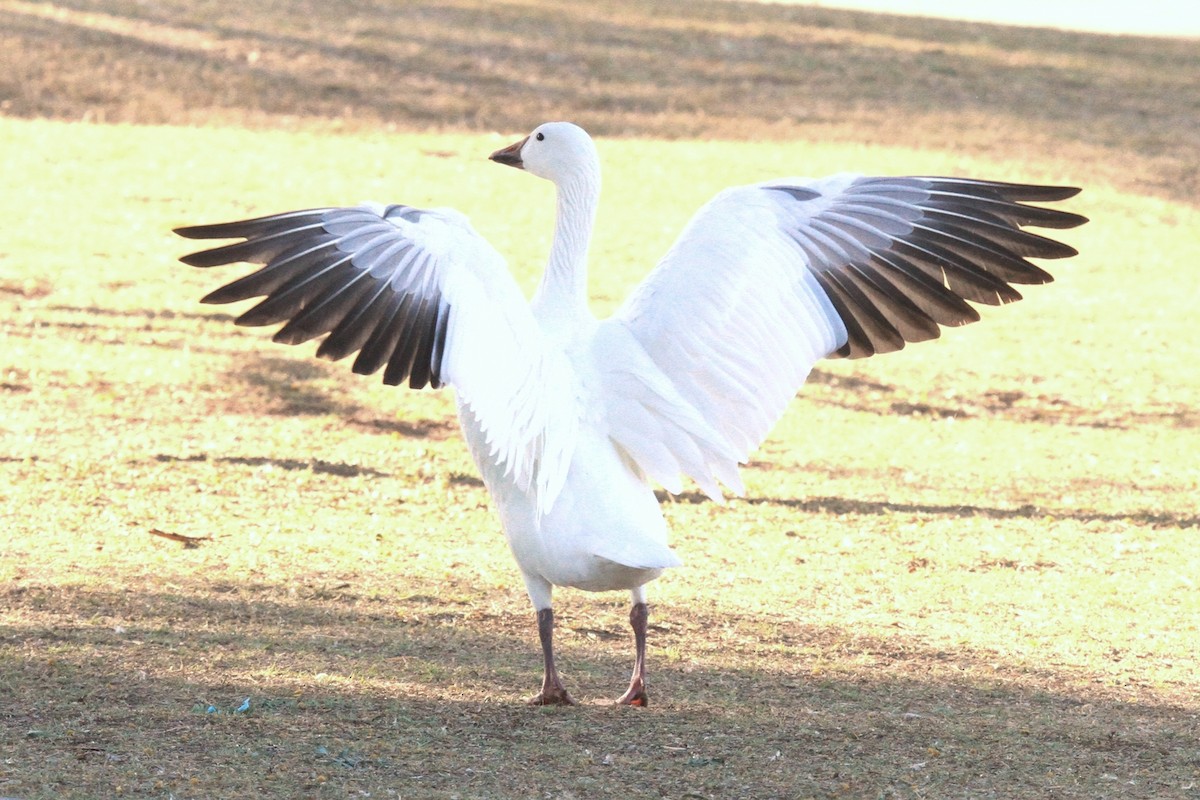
{"x":416,"y":693}
{"x":160,"y":329}
{"x":872,"y":397}
{"x":306,"y":387}
{"x":291,"y":386}
{"x":852,"y":506}
{"x":725,"y":69}
{"x":256,"y":380}
{"x":157,"y":316}
{"x":842,"y":505}
{"x":338,"y":469}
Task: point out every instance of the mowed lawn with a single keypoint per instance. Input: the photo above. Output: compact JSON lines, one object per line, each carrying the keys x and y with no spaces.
{"x":969,"y":569}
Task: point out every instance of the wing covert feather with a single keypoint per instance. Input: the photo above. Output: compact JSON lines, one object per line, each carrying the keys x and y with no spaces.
{"x":420,"y":295}
{"x":768,"y":279}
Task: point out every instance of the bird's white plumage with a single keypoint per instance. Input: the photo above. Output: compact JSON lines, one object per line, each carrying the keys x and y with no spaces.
{"x":518,"y":390}
{"x":572,"y":420}
{"x":651,"y":421}
{"x":732,"y":317}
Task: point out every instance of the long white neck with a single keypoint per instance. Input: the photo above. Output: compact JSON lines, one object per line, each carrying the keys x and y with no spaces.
{"x":561,"y":302}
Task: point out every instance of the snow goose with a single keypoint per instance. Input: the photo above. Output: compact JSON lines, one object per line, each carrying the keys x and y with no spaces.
{"x":571,"y":420}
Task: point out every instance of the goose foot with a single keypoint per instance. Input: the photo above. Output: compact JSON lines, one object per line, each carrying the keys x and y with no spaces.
{"x":635,"y":695}
{"x":552,"y":696}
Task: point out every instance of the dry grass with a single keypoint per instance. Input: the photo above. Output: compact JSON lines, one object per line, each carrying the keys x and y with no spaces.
{"x":965,"y":570}
{"x":706,"y":68}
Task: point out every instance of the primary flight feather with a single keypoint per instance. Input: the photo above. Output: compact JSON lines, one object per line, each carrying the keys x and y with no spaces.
{"x":571,"y":420}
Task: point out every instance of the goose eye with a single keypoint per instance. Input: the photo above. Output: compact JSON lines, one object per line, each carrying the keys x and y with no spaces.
{"x":540,"y":137}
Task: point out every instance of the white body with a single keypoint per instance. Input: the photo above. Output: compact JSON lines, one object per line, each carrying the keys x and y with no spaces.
{"x":572,"y":420}
{"x":619,"y":543}
{"x":604,"y":529}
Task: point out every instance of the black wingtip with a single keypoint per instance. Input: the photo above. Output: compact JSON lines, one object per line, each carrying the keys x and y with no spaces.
{"x":222,"y":295}
{"x":249,"y":228}
{"x":1065,"y":192}
{"x":1039,"y":193}
{"x":1061,"y":220}
{"x":214,"y":231}
{"x":1013,"y":192}
{"x":199,"y":259}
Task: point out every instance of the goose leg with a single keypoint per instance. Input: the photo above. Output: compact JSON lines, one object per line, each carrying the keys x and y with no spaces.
{"x":553,"y":692}
{"x":639,"y":615}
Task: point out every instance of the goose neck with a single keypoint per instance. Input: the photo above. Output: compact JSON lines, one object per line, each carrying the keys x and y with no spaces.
{"x":562,"y":296}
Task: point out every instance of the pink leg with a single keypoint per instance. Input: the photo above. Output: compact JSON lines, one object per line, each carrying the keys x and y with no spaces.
{"x":553,"y":692}
{"x":636,"y":695}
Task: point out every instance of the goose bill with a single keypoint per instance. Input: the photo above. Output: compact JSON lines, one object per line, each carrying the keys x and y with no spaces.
{"x":510,"y":155}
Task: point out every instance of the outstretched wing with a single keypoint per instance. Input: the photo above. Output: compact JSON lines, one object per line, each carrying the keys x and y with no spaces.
{"x":420,"y":295}
{"x":768,"y":279}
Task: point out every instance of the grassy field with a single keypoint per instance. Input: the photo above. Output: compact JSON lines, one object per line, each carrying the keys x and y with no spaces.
{"x":965,"y":570}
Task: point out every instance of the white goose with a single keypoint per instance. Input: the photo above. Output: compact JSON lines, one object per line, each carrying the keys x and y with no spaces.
{"x":571,"y":419}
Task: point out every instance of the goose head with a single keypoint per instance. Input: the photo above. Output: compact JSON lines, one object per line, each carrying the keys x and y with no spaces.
{"x":556,"y":151}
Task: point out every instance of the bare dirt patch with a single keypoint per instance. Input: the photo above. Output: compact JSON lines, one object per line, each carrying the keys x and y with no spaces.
{"x":228,"y":570}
